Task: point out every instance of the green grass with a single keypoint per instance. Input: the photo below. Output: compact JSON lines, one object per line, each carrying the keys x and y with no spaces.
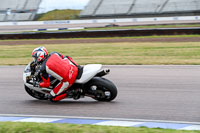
{"x":146,"y":26}
{"x":59,"y":15}
{"x":181,"y":53}
{"x":13,"y":127}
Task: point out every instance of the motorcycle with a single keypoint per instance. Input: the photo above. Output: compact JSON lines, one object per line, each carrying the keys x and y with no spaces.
{"x":89,"y":82}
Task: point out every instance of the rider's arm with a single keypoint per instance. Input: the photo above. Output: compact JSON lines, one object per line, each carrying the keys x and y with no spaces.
{"x":45,"y":78}
{"x":61,"y":55}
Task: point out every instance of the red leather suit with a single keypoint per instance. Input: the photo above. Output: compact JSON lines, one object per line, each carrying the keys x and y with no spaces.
{"x":63,"y":69}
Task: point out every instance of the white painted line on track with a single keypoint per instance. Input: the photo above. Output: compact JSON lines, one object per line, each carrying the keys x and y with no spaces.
{"x":119,"y":123}
{"x":43,"y":120}
{"x":193,"y":127}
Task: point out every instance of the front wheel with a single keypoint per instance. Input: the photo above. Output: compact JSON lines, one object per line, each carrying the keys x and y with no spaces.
{"x":102,"y":89}
{"x":35,"y":94}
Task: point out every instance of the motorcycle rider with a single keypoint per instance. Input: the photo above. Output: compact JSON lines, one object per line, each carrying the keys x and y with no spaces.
{"x":55,"y":64}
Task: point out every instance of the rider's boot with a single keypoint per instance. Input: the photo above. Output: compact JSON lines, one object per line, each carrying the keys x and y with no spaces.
{"x":60,"y":97}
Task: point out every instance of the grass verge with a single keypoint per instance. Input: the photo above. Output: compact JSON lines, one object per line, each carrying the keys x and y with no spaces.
{"x":12,"y":127}
{"x":147,"y":26}
{"x":126,"y":27}
{"x":59,"y":15}
{"x":127,"y":53}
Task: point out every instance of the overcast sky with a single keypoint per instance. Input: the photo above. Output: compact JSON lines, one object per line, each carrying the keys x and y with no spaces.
{"x":48,"y":5}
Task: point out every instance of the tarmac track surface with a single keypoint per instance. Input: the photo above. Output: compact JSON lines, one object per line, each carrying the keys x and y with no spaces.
{"x":144,"y":92}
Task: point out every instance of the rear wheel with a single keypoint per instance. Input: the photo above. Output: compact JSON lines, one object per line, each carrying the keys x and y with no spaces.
{"x":102,"y":89}
{"x":35,"y":94}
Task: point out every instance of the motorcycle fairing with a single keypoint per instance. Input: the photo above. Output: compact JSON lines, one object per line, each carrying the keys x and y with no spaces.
{"x":89,"y":71}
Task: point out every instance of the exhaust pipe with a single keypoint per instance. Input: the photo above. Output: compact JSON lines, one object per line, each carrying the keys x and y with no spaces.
{"x":102,"y":73}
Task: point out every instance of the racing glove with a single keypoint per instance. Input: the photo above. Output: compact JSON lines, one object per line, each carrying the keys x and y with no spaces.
{"x":46,"y":82}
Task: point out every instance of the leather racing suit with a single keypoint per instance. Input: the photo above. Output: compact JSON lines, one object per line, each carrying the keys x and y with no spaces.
{"x":62,"y":68}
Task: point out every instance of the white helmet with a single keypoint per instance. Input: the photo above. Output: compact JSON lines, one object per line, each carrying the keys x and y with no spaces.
{"x":39,"y":54}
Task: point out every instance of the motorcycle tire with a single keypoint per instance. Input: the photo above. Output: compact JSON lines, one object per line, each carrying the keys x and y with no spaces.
{"x":35,"y":94}
{"x":102,"y":86}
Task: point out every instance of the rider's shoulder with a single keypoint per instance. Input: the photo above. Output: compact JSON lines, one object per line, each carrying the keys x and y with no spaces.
{"x":54,"y":53}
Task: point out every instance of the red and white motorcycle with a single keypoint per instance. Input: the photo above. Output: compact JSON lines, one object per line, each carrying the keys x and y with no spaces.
{"x":90,"y":82}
